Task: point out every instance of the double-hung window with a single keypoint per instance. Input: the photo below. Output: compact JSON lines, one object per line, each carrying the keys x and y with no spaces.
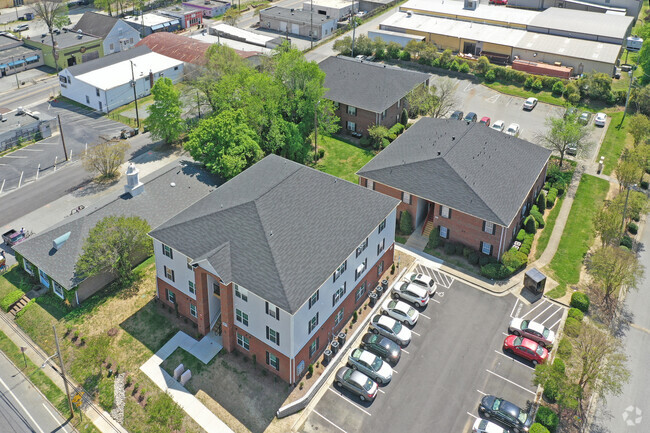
{"x":313,"y":347}
{"x":445,"y":212}
{"x":272,"y":311}
{"x":352,"y":111}
{"x":273,"y":335}
{"x":191,"y":287}
{"x":340,"y":270}
{"x":273,"y":360}
{"x":406,"y":197}
{"x":338,"y":295}
{"x":169,"y":273}
{"x":488,"y":227}
{"x":313,"y":299}
{"x":339,"y":317}
{"x":193,"y":310}
{"x":360,"y":291}
{"x":241,"y":317}
{"x":241,"y":293}
{"x":382,"y":226}
{"x":167,"y":251}
{"x":313,"y":323}
{"x":381,"y":245}
{"x":444,"y":232}
{"x":361,"y":269}
{"x":242,"y":341}
{"x":361,"y":248}
{"x":486,"y":248}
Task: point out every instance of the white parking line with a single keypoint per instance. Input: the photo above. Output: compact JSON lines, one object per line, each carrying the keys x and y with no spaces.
{"x":545,"y":310}
{"x":473,"y":416}
{"x":435,"y":300}
{"x":55,"y":419}
{"x":32,"y":150}
{"x":557,"y":311}
{"x":396,"y":372}
{"x":513,"y":359}
{"x":317,"y":413}
{"x":405,"y":351}
{"x":413,"y":332}
{"x":425,"y":316}
{"x":349,"y":401}
{"x":382,"y":391}
{"x":511,"y":382}
{"x":527,"y":313}
{"x":505,"y":333}
{"x":14,"y":156}
{"x":513,"y":309}
{"x":480,"y":392}
{"x":553,"y":325}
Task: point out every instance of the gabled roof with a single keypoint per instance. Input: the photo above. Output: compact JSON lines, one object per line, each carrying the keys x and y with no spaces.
{"x":467,"y":167}
{"x":367,"y":85}
{"x":95,"y":24}
{"x":279,"y":229}
{"x":158,"y":202}
{"x":109,"y":60}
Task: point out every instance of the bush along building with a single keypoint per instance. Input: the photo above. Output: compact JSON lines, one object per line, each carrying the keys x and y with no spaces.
{"x":276,"y":260}
{"x":472,"y":184}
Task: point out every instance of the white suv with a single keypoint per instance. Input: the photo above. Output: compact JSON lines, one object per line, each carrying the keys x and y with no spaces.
{"x":424,"y":281}
{"x":411,"y":292}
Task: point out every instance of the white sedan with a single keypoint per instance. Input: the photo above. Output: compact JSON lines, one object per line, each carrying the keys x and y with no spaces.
{"x":533,"y":330}
{"x":530,"y":103}
{"x":499,"y":125}
{"x":400,"y":311}
{"x":485,"y":426}
{"x":424,"y":281}
{"x":601,"y":119}
{"x":513,"y":129}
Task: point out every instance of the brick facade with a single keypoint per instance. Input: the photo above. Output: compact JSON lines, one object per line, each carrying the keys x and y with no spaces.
{"x":182,"y":300}
{"x":364,"y":118}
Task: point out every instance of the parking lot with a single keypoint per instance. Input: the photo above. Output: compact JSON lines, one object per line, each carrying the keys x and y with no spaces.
{"x":454,"y":358}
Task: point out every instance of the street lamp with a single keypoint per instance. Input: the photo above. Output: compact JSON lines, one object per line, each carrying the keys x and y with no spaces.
{"x":135,"y":97}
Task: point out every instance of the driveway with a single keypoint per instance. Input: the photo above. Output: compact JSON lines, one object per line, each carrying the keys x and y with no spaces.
{"x":454,"y":358}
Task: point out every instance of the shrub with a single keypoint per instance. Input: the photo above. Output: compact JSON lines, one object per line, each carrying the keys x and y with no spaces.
{"x":459,"y":248}
{"x":454,"y":66}
{"x":436,"y":63}
{"x":106,"y":394}
{"x":482,"y":65}
{"x":321,"y":153}
{"x":541,"y":201}
{"x":464,"y":68}
{"x":644,"y":184}
{"x":572,"y":327}
{"x":548,"y":418}
{"x":632,"y":228}
{"x":564,"y":348}
{"x":537,"y":85}
{"x":529,"y":82}
{"x":396,"y":129}
{"x":365,"y":141}
{"x":530,"y":224}
{"x":496,"y":271}
{"x":550,"y":197}
{"x":25,"y":308}
{"x":521,"y":235}
{"x":405,"y":56}
{"x":466,"y":252}
{"x":538,"y":428}
{"x":490,"y":76}
{"x":514,"y":259}
{"x":404,"y":117}
{"x":626,"y":242}
{"x":539,"y":219}
{"x":558,"y":88}
{"x":450,"y":248}
{"x":483,"y":260}
{"x":558,"y":366}
{"x":551,"y":390}
{"x":434,"y":238}
{"x":406,"y":222}
{"x":574,"y":98}
{"x":576,"y":314}
{"x":310,"y":369}
{"x":580,"y":301}
{"x":11,"y":298}
{"x":473,"y":258}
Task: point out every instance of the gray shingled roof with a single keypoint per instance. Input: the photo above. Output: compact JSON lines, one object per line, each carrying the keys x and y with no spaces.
{"x":111,"y":59}
{"x":158,"y":202}
{"x":279,"y":229}
{"x":367,"y":85}
{"x":467,"y":167}
{"x":95,"y":24}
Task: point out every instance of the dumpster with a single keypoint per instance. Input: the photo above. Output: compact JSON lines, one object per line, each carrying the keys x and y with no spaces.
{"x":535,"y":281}
{"x":334,"y":347}
{"x":341,"y":338}
{"x":373,"y":299}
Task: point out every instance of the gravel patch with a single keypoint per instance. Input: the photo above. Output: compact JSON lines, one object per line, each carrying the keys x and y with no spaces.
{"x":120,"y":399}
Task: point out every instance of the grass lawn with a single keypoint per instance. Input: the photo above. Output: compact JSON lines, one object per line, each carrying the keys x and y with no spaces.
{"x":342,"y":159}
{"x":616,"y":139}
{"x":542,"y":95}
{"x":14,"y":279}
{"x":578,"y":233}
{"x":545,"y":235}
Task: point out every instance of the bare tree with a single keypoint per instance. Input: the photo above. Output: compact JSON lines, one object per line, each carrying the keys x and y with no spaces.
{"x":607,"y":224}
{"x":55,"y":15}
{"x":104,"y":159}
{"x":446,"y":93}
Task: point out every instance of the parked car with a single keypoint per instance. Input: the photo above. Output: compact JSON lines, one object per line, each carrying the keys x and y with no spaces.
{"x":571,"y":111}
{"x":572,"y":149}
{"x":530,"y":103}
{"x":533,"y":330}
{"x":584,"y":118}
{"x":424,"y":281}
{"x":471,"y":117}
{"x":13,"y":237}
{"x":21,"y":28}
{"x":498,"y":2}
{"x":128,"y":133}
{"x":505,"y":413}
{"x":371,"y":365}
{"x":456,"y":115}
{"x":485,"y":121}
{"x":513,"y":129}
{"x":357,"y":383}
{"x":382,"y":346}
{"x":498,"y":125}
{"x":485,"y":426}
{"x":400,"y":311}
{"x":525,"y":348}
{"x":391,"y":328}
{"x":601,"y":119}
{"x":411,"y":292}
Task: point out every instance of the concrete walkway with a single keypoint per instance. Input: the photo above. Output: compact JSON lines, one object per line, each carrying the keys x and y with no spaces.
{"x":204,"y":350}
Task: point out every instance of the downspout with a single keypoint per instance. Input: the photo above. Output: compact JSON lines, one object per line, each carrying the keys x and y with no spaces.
{"x":501,"y":243}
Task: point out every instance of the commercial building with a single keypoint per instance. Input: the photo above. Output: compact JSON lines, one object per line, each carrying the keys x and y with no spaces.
{"x":630,"y":8}
{"x":150,"y":23}
{"x":367,"y":93}
{"x":244,"y":49}
{"x":209,"y":8}
{"x":177,"y":47}
{"x":51,"y":255}
{"x":20,"y":125}
{"x":116,"y":34}
{"x":15,"y":57}
{"x":188,"y":16}
{"x":106,"y":83}
{"x":474,"y":183}
{"x":245,"y":36}
{"x":297,"y":22}
{"x":72,"y":48}
{"x":371,"y":5}
{"x":278,"y":259}
{"x":338,"y":9}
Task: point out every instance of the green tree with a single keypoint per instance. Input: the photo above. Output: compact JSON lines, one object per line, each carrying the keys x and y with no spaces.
{"x":343,"y":46}
{"x":422,"y":100}
{"x":377,"y":134}
{"x":414,"y":48}
{"x":643,"y":60}
{"x":637,"y":204}
{"x":221,"y":61}
{"x":406,"y":222}
{"x":114,"y":245}
{"x":393,"y":49}
{"x":596,"y":85}
{"x":612,"y":269}
{"x":563,"y":132}
{"x":482,"y":65}
{"x":379,"y":47}
{"x":446,"y":98}
{"x":54,"y":14}
{"x":627,"y":172}
{"x":641,"y":157}
{"x":363,"y":45}
{"x":231,"y":17}
{"x":607,"y":224}
{"x":638,"y":127}
{"x":164,"y":120}
{"x":225,"y":144}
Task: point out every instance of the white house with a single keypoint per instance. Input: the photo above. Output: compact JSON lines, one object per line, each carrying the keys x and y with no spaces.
{"x":106,"y":83}
{"x":116,"y":34}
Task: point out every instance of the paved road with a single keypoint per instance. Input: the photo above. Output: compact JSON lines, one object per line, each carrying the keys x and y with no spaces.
{"x":630,"y":411}
{"x":22,"y":407}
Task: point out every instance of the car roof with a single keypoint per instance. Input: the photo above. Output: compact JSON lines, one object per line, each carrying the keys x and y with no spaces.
{"x":401,"y":306}
{"x":536,"y":326}
{"x":499,"y":122}
{"x":366,"y":356}
{"x":358,"y":377}
{"x":530,"y":344}
{"x":531,"y":99}
{"x":417,"y":290}
{"x":388,"y":321}
{"x":515,"y":125}
{"x":509,"y":408}
{"x":485,"y":118}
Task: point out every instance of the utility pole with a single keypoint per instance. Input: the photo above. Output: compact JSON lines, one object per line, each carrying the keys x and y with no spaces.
{"x":354,"y":27}
{"x":16,"y":69}
{"x":311,"y":25}
{"x":629,"y":89}
{"x":198,"y":104}
{"x":135,"y":97}
{"x":65,"y":381}
{"x":316,"y":131}
{"x":65,"y":151}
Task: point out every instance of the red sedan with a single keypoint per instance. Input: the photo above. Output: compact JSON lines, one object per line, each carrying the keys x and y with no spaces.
{"x":499,"y":2}
{"x":525,"y":348}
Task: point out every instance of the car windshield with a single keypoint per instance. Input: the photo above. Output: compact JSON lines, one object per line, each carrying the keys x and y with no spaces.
{"x":397,"y":327}
{"x":497,"y":404}
{"x":540,"y":350}
{"x":511,"y":129}
{"x":368,"y":385}
{"x":392,"y":304}
{"x":518,"y":341}
{"x":376,"y":365}
{"x":411,"y":312}
{"x":546,"y":332}
{"x":523,"y":416}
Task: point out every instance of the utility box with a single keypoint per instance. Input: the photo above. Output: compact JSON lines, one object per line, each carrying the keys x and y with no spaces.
{"x":535,"y":281}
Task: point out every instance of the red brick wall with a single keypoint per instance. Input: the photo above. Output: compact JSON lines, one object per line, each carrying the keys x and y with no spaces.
{"x":259,"y":349}
{"x":182,"y":300}
{"x":202,"y":300}
{"x":390,"y":191}
{"x":227,"y":318}
{"x":365,"y":119}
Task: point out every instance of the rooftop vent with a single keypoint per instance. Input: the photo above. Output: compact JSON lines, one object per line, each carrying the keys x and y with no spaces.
{"x":58,"y":242}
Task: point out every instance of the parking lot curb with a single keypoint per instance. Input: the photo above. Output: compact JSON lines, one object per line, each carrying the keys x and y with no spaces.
{"x":303,"y":401}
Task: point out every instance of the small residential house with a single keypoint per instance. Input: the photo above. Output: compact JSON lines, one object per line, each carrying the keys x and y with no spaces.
{"x":72,"y":48}
{"x":149,"y":23}
{"x":189,"y":17}
{"x":267,"y":257}
{"x":105,"y":84}
{"x":209,"y":8}
{"x":368,"y":93}
{"x":472,"y":182}
{"x":297,"y":22}
{"x":116,"y":35}
{"x":51,"y":256}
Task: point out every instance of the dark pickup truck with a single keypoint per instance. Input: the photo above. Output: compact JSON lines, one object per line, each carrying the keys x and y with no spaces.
{"x":13,"y":237}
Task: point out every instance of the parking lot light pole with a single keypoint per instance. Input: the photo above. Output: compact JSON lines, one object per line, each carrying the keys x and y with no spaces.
{"x":135,"y":97}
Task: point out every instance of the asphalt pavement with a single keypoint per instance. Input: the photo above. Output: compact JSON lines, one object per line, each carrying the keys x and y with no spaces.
{"x":629,"y":412}
{"x":22,"y":407}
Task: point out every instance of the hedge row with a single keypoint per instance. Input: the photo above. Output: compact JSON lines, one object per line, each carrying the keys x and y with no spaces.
{"x":10,"y":299}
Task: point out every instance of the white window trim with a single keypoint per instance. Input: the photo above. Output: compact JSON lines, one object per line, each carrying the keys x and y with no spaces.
{"x":339,"y":317}
{"x":195,"y":313}
{"x":244,"y":341}
{"x":446,"y":232}
{"x":370,"y":184}
{"x":490,"y":225}
{"x":483,"y":244}
{"x":191,"y":287}
{"x":444,"y":212}
{"x":29,"y":268}
{"x":54,"y":286}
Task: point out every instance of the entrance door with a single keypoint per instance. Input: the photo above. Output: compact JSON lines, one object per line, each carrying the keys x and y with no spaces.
{"x":44,"y":279}
{"x":469,"y":48}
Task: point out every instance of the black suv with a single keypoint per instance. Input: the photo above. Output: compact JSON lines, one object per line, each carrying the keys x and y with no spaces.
{"x":457,"y":115}
{"x":505,"y":413}
{"x":388,"y":350}
{"x":471,"y":117}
